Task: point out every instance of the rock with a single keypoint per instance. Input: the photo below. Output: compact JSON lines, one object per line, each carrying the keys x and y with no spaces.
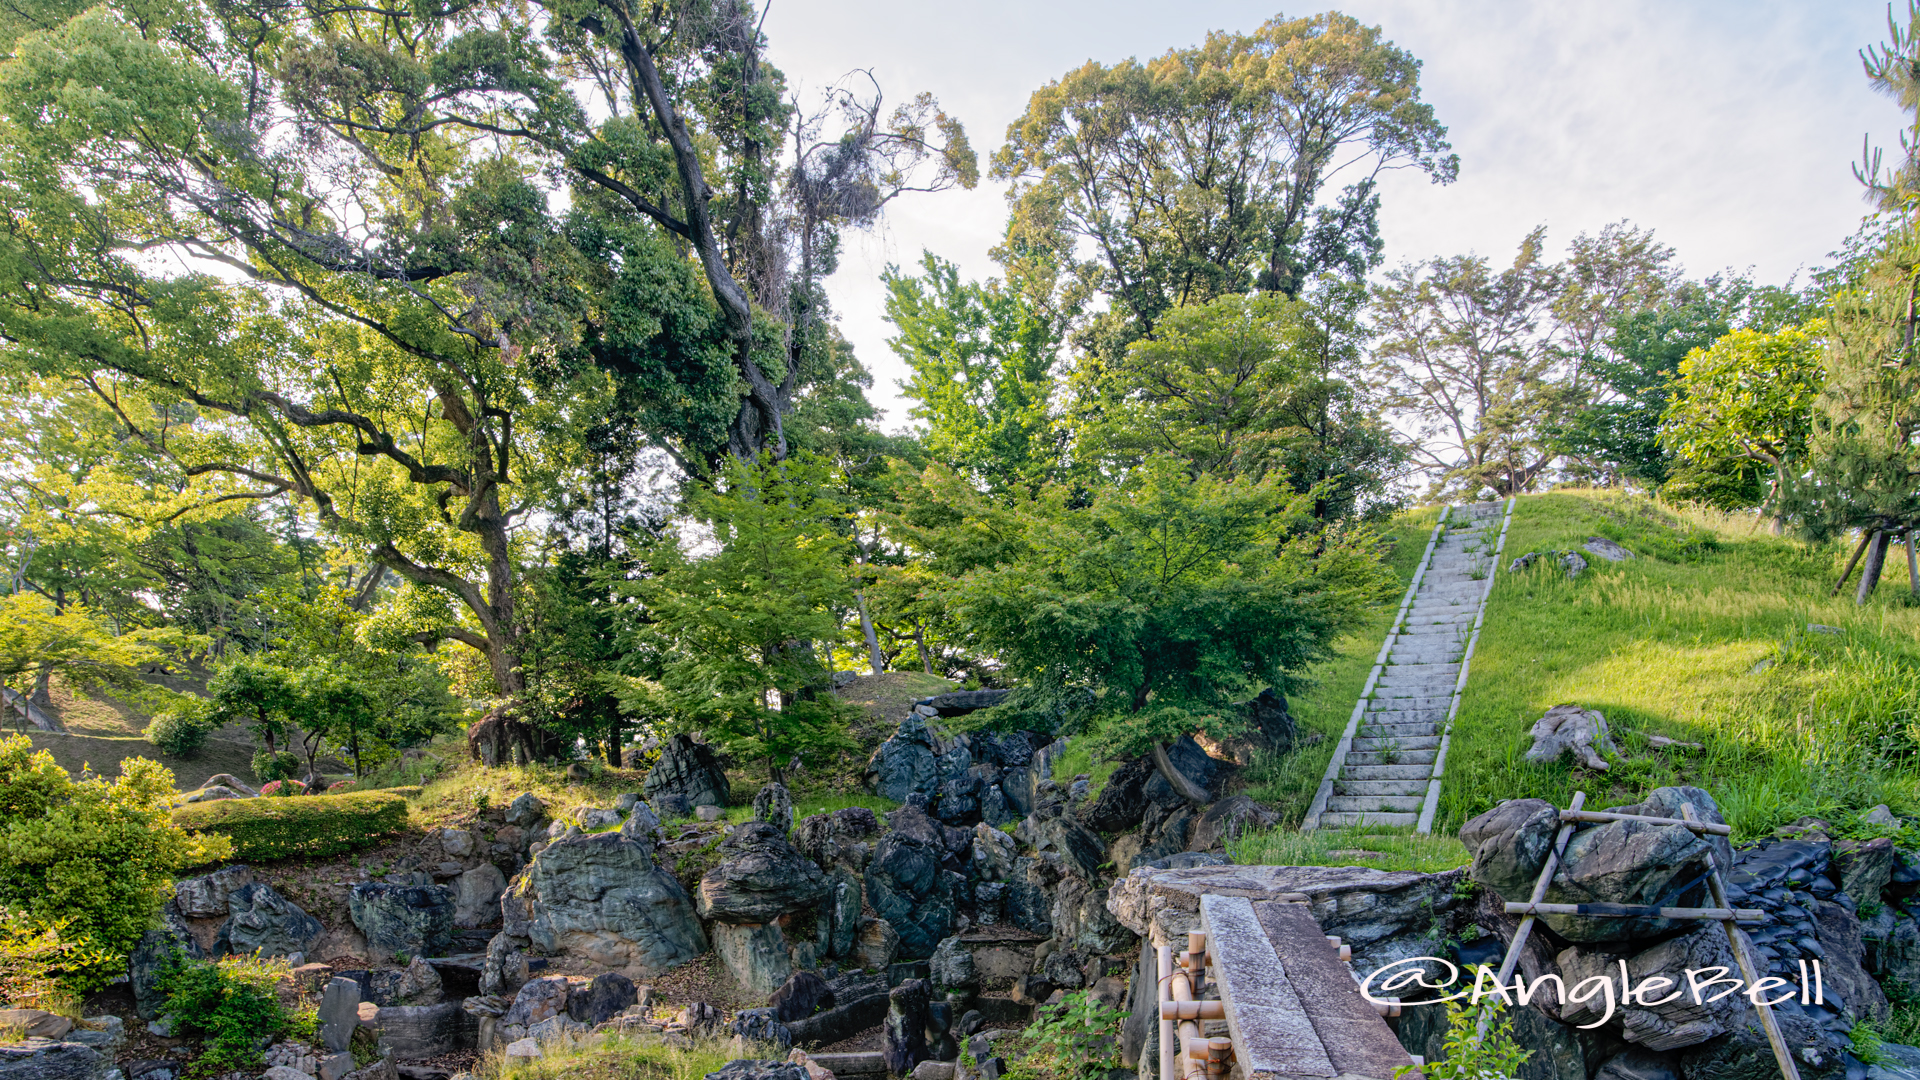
{"x":760,"y":878}
{"x":750,"y":1069}
{"x":1510,"y":844}
{"x":416,"y":984}
{"x":934,"y":1070}
{"x":1029,"y":903}
{"x":1192,"y":762}
{"x":416,"y":920}
{"x":1570,"y":728}
{"x":994,"y":853}
{"x":36,"y":1023}
{"x":844,"y":911}
{"x":905,"y":1032}
{"x":264,"y":923}
{"x":579,"y":772}
{"x":878,"y":944}
{"x":283,"y":1072}
{"x":605,"y":998}
{"x":917,"y":760}
{"x":756,"y":954}
{"x":335,"y":1066}
{"x":106,"y":1034}
{"x":601,"y":897}
{"x":538,"y":1000}
{"x":774,"y":806}
{"x":641,"y":825}
{"x":1896,"y":1063}
{"x":228,"y":780}
{"x":1626,"y":862}
{"x":761,"y":1026}
{"x":691,"y":770}
{"x":339,"y":1013}
{"x":1574,"y":564}
{"x":1081,"y":850}
{"x":205,"y":897}
{"x":1606,"y":549}
{"x":952,"y":966}
{"x":412,"y":1032}
{"x":44,"y":1059}
{"x":476,"y":896}
{"x":802,"y":995}
{"x":1672,"y":1024}
{"x":526,"y":810}
{"x":1227,"y":820}
{"x":1879,"y":815}
{"x":709,"y":813}
{"x":523,"y":1048}
{"x":906,"y":886}
{"x":1635,"y":1063}
{"x":1063,"y":970}
{"x":671,"y":805}
{"x":624,"y":801}
{"x":151,"y":956}
{"x":1843,"y":965}
{"x":457,"y":843}
{"x":1865,"y":867}
{"x":591,"y":818}
{"x":1081,"y":920}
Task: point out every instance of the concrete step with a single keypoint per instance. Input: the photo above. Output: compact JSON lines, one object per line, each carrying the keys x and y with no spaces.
{"x":1435,"y":703}
{"x":1403,"y":757}
{"x":1381,"y":788}
{"x":1360,"y":804}
{"x":1411,"y":716}
{"x":1412,"y":744}
{"x":1396,"y":731}
{"x":1386,"y":772}
{"x":1397,"y":668}
{"x":1347,"y":820}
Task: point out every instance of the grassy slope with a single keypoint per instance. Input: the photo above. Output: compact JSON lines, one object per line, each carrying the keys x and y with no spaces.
{"x":1707,"y":646}
{"x":1288,"y":784}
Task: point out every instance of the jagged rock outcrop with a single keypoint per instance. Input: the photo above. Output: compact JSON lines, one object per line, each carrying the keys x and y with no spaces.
{"x":601,"y":897}
{"x":413,"y":919}
{"x":689,"y":770}
{"x":906,"y":883}
{"x":1570,"y":729}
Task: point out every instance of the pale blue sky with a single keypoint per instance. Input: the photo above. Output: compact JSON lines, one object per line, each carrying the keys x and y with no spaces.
{"x":1727,"y":127}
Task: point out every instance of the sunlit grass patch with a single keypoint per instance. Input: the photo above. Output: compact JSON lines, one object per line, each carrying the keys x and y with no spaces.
{"x":1378,"y":848}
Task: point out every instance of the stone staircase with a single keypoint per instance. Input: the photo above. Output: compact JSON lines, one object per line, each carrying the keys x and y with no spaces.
{"x":1388,"y":765}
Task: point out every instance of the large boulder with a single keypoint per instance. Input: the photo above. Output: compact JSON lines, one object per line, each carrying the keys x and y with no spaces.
{"x":690,"y":770}
{"x":264,"y":923}
{"x":413,"y":1032}
{"x":774,"y":806}
{"x":206,"y":897}
{"x":1509,"y":844}
{"x":1051,"y":830}
{"x":917,"y":760}
{"x":1271,"y":729}
{"x":604,"y":998}
{"x":1570,"y":729}
{"x":477,"y":896}
{"x":760,"y":878}
{"x":412,"y":919}
{"x":1120,"y":803}
{"x":526,"y":810}
{"x":600,"y":896}
{"x":904,"y":1036}
{"x":45,"y":1059}
{"x":802,"y":995}
{"x":152,"y":955}
{"x":906,"y":885}
{"x":756,"y":954}
{"x":1227,"y":820}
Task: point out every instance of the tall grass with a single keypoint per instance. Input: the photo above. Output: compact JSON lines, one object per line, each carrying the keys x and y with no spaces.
{"x":1704,"y":638}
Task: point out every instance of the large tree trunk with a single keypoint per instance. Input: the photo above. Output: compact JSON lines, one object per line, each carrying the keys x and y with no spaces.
{"x":42,"y":696}
{"x":1870,"y":573}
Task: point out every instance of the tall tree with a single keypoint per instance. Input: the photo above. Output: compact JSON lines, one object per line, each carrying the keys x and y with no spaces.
{"x":380,"y":315}
{"x":1201,"y":173}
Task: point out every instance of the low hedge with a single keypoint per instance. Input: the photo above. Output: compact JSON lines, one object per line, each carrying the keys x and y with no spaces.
{"x":304,"y":826}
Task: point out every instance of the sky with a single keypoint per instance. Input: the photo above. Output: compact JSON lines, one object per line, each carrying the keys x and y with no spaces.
{"x":1729,"y":127}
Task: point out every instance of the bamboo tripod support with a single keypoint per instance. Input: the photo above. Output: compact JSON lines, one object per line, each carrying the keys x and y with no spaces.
{"x":1720,"y":912}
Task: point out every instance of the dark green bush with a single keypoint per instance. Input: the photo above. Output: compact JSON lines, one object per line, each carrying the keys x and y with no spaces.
{"x":181,"y":730}
{"x":229,"y":1003}
{"x":309,"y":826}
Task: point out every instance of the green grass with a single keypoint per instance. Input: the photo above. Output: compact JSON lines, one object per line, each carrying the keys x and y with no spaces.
{"x":617,"y":1057}
{"x":1379,"y":848}
{"x":805,"y":806}
{"x":1287,"y":782}
{"x":1704,"y":639}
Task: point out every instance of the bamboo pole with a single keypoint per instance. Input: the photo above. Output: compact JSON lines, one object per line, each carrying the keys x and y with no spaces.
{"x":1607,"y":815}
{"x":1865,"y":538}
{"x":1525,"y":931}
{"x":1913,"y":566}
{"x":1163,"y":957}
{"x":1742,"y":953}
{"x":1631,"y":911}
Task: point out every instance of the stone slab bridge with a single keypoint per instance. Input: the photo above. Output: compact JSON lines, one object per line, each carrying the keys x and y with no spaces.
{"x":1240,"y":979}
{"x":1388,"y":765}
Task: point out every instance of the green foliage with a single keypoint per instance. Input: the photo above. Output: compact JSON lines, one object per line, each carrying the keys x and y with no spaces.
{"x":182,"y":729}
{"x":1750,"y":396}
{"x":268,"y":767}
{"x":311,"y":826}
{"x":980,"y":357}
{"x":733,"y":627}
{"x":230,"y":1003}
{"x":1465,"y":1055}
{"x":97,"y":855}
{"x":1167,"y":597}
{"x":1077,"y":1039}
{"x":257,"y":693}
{"x":38,"y":640}
{"x":38,"y":962}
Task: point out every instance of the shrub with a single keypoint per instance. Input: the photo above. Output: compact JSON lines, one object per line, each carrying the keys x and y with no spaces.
{"x":1075,"y":1039}
{"x":98,"y":855}
{"x":35,"y":959}
{"x":314,"y":827}
{"x":280,"y":766}
{"x":182,"y":730}
{"x":230,"y":1003}
{"x":283,"y":787}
